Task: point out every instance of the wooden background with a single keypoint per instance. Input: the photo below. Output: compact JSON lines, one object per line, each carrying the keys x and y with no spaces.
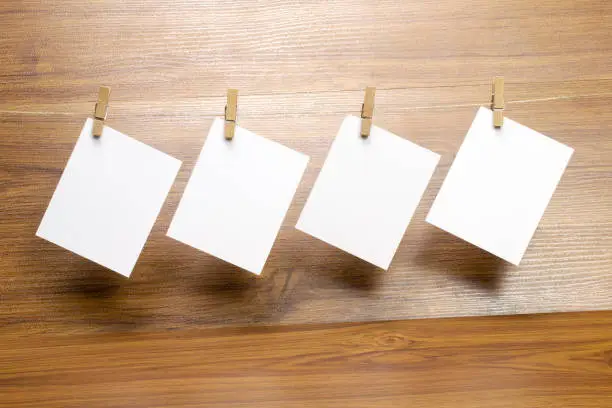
{"x":559,"y":360}
{"x":300,"y":68}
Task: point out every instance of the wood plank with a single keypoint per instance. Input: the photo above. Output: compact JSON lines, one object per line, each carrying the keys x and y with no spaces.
{"x":519,"y":361}
{"x":433,"y":275}
{"x":300,"y":68}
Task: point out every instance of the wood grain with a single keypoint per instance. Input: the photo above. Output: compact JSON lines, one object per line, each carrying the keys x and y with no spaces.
{"x":300,"y":67}
{"x":562,"y":360}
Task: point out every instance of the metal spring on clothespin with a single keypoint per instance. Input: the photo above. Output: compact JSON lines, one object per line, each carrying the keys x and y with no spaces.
{"x":231,"y":110}
{"x":101,"y":110}
{"x":367,"y":111}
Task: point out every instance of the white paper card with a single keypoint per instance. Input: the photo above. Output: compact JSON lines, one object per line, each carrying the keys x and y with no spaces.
{"x":499,"y":185}
{"x":367,"y":192}
{"x":108,"y":198}
{"x":237,"y":197}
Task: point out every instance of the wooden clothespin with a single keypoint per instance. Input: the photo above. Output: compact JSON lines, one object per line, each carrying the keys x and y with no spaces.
{"x":231,"y":110}
{"x":497,"y":102}
{"x":101,"y":110}
{"x":367,"y":111}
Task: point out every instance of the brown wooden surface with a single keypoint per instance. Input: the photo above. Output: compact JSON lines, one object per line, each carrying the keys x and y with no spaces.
{"x":562,"y":360}
{"x":301,"y":67}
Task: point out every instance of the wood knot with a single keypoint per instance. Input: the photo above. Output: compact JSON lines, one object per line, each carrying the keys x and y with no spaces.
{"x":393,"y":340}
{"x":607,"y":357}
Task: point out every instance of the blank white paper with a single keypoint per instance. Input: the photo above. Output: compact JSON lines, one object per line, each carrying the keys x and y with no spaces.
{"x":237,"y":197}
{"x":108,"y":198}
{"x":367,"y":192}
{"x":499,"y":185}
